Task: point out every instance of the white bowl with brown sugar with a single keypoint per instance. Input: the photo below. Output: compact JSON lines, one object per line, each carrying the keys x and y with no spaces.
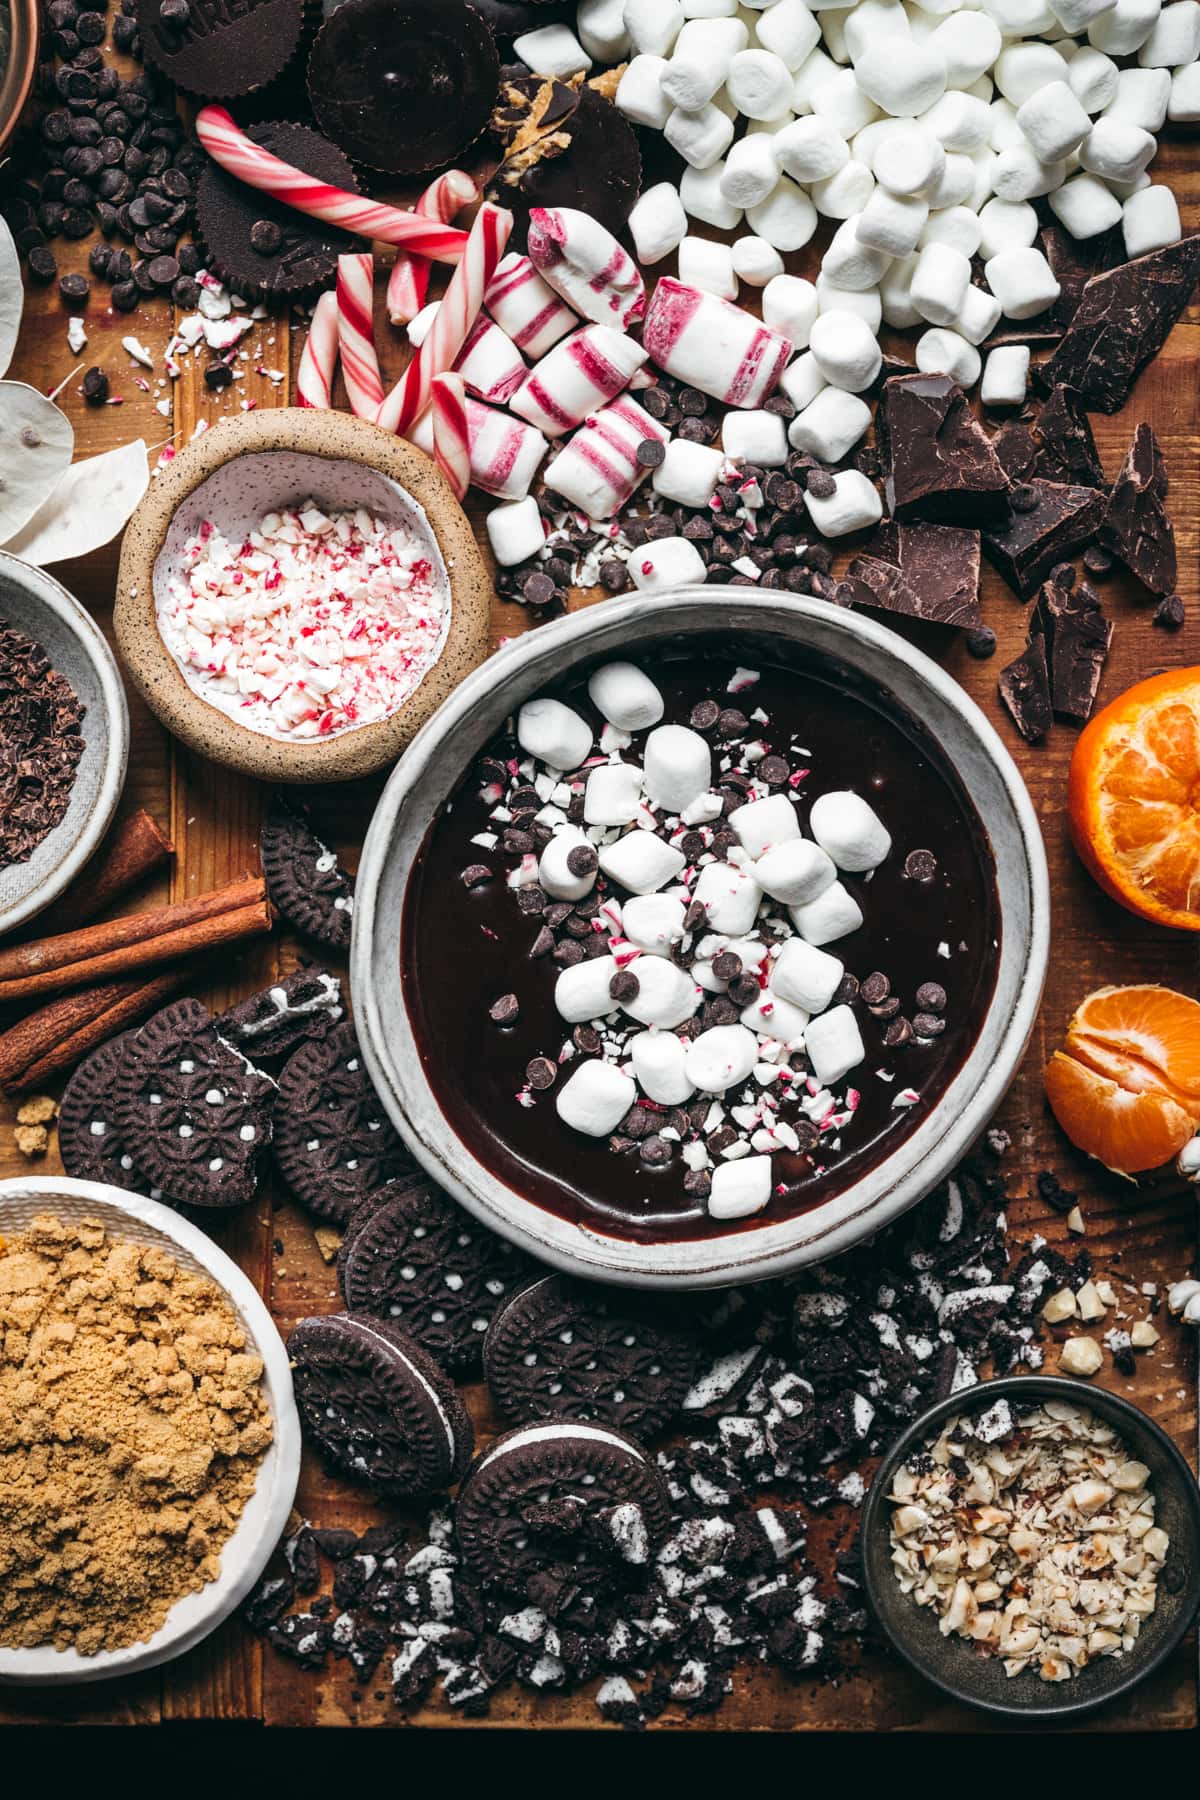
{"x":193,"y":1418}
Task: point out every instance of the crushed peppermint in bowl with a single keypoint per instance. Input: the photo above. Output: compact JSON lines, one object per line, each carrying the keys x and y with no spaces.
{"x":1031,"y":1548}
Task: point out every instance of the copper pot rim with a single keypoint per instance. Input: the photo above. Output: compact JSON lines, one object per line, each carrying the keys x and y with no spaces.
{"x":16,"y":82}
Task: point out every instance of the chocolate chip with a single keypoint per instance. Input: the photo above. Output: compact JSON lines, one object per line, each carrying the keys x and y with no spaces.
{"x":692,"y":403}
{"x":807,"y":1135}
{"x":820,"y":484}
{"x":920,"y":865}
{"x":651,"y":453}
{"x":657,"y":402}
{"x":732,"y":723}
{"x":981,"y":642}
{"x":265,"y":237}
{"x":656,"y":1152}
{"x":898,"y":1032}
{"x":774,"y":771}
{"x":41,"y":264}
{"x":846,"y":991}
{"x":543,"y":943}
{"x":74,"y":288}
{"x":538,"y":589}
{"x":175,"y":12}
{"x":696,"y":431}
{"x":886,"y":1009}
{"x":721,"y":1139}
{"x":505,"y":1010}
{"x":569,"y":953}
{"x":720,"y":1010}
{"x":541,"y":1073}
{"x":931,"y":997}
{"x":693,"y":844}
{"x":704,"y":715}
{"x":586,"y":1040}
{"x":928,"y":1025}
{"x":1097,"y":561}
{"x":218,"y":376}
{"x":530,"y":899}
{"x":1169,"y":614}
{"x":1023,"y":498}
{"x":582,"y":860}
{"x":743,"y":990}
{"x":95,"y":387}
{"x":614,"y":577}
{"x":624,"y":986}
{"x":875,"y":988}
{"x":474,"y":874}
{"x":727,"y":966}
{"x":125,"y":296}
{"x":697,"y":1184}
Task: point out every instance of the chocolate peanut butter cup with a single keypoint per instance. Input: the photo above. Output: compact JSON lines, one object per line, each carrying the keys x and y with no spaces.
{"x":220,"y":48}
{"x":565,"y":144}
{"x":403,"y":86}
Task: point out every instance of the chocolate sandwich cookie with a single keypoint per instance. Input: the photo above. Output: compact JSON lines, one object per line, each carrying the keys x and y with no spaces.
{"x":306,"y":1004}
{"x":403,"y":86}
{"x":561,"y":1349}
{"x":256,"y":244}
{"x":194,"y":1114}
{"x":581,"y":1499}
{"x":377,"y":1407}
{"x":417,"y":1258}
{"x":90,"y":1141}
{"x":565,"y":144}
{"x":220,"y":48}
{"x":333,"y":1140}
{"x":305,"y":881}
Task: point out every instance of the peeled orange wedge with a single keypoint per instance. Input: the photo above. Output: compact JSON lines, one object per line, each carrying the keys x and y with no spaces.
{"x":1134,"y":798}
{"x":1125,"y":1087}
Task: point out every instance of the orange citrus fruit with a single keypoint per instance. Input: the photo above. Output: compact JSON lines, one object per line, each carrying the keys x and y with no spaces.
{"x":1125,"y":1087}
{"x":1134,"y":798}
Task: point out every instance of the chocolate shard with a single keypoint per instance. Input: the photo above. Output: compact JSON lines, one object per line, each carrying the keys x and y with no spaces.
{"x":938,"y":461}
{"x":1051,"y":520}
{"x":1076,"y":638}
{"x":1122,"y":320}
{"x":565,"y":144}
{"x":924,"y":571}
{"x":1017,"y":450}
{"x":1066,"y":448}
{"x":1025,"y":691}
{"x":1136,"y":527}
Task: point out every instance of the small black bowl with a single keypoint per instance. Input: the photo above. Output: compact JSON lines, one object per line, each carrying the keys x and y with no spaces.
{"x":980,"y":1680}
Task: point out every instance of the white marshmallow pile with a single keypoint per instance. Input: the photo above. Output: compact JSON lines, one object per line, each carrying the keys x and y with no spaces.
{"x":778,"y":899}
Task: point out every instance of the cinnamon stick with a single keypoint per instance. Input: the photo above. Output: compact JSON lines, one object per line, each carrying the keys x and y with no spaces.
{"x":131,"y":852}
{"x":122,"y":947}
{"x":59,"y":1035}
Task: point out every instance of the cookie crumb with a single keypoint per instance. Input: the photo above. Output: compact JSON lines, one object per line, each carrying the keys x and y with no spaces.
{"x":329,"y":1242}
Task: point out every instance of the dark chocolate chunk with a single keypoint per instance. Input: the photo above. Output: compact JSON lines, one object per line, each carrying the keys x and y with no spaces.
{"x":1123,"y":318}
{"x":1136,"y":527}
{"x":939,"y":463}
{"x":1025,"y":691}
{"x":1026,"y":547}
{"x":565,"y":145}
{"x":1066,"y":449}
{"x":1170,"y":614}
{"x":1077,"y":638}
{"x":925,"y":571}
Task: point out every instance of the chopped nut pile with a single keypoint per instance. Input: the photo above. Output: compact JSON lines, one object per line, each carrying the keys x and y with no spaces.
{"x":1035,"y":1541}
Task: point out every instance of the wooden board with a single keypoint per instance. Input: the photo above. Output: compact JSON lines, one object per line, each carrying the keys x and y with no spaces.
{"x":213,"y":818}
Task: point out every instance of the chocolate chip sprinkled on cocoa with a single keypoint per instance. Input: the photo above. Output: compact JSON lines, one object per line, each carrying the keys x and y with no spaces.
{"x":475,"y":874}
{"x":569,"y":953}
{"x":697,"y":1184}
{"x":542,"y":944}
{"x":920,"y":865}
{"x":540,"y":1073}
{"x":875,"y":988}
{"x":557,"y":914}
{"x":505,"y":1011}
{"x":886,"y":1009}
{"x":656,"y":1152}
{"x":807,"y":1135}
{"x":898,"y":1032}
{"x":586,"y":1038}
{"x":516,"y":842}
{"x":931,"y":997}
{"x":582,"y":860}
{"x":774,"y":771}
{"x":624,"y":986}
{"x":531,"y":899}
{"x":732,"y":723}
{"x":928,"y":1025}
{"x":846,"y":992}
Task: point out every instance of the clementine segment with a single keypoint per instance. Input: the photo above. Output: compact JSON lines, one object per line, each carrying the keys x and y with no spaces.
{"x":1134,"y":798}
{"x":1125,"y":1087}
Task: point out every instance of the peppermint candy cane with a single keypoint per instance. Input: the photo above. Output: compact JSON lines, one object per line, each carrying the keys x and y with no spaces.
{"x":249,"y":162}
{"x":314,"y":377}
{"x":356,"y":333}
{"x":408,"y":284}
{"x":459,"y":309}
{"x":451,"y":434}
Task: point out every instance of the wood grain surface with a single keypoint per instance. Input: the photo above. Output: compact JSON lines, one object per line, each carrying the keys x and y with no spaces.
{"x":213,"y":817}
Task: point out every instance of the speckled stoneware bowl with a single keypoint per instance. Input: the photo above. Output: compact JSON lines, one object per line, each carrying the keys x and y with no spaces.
{"x":34,"y":603}
{"x":950,"y":1662}
{"x":252,"y":465}
{"x":20,"y":30}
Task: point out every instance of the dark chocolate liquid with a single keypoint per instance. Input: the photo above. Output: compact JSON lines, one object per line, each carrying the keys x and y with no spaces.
{"x":461,"y":948}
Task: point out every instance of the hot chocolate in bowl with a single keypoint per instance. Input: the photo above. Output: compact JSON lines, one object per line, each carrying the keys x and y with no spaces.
{"x":960,"y":903}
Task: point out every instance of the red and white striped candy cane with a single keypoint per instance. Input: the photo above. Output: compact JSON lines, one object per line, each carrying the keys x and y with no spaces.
{"x":239,"y":156}
{"x":356,"y":333}
{"x":408,"y":284}
{"x":451,"y":435}
{"x":458,"y":311}
{"x":314,"y":377}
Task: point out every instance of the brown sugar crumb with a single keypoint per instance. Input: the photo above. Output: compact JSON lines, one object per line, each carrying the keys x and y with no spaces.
{"x":132,"y":1426}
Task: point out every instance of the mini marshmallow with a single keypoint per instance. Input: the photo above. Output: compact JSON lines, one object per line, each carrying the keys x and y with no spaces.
{"x":809,"y":149}
{"x":666,"y":563}
{"x":595,"y":1098}
{"x":1141,"y":99}
{"x":1006,"y":225}
{"x":891,"y":223}
{"x":1116,"y":151}
{"x":957,"y":226}
{"x":706,"y":264}
{"x":750,"y":172}
{"x":853,"y":505}
{"x":1024,"y":68}
{"x":939,"y":282}
{"x":843,"y":104}
{"x":709,"y":9}
{"x":576,"y":378}
{"x":729,"y":896}
{"x":613,"y":794}
{"x":908,"y":159}
{"x":833,"y":1044}
{"x":903,"y":85}
{"x":755,"y":261}
{"x":658,"y":223}
{"x":659,"y":1063}
{"x":678,"y":767}
{"x":978,"y":317}
{"x":598,"y":468}
{"x":1092,"y":77}
{"x":625,"y":696}
{"x":639,"y":92}
{"x":1085,"y":207}
{"x":1150,"y":221}
{"x":830,"y":425}
{"x":834,"y":914}
{"x":552,"y":50}
{"x":700,"y":60}
{"x":849,"y":262}
{"x":1053,"y":121}
{"x":516,"y":532}
{"x":689,"y":473}
{"x":755,"y":437}
{"x":955,"y":185}
{"x":806,"y":976}
{"x":969,"y":43}
{"x":1020,"y":18}
{"x":702,"y":198}
{"x":802,"y":381}
{"x":601,"y":28}
{"x":553,"y":872}
{"x":1006,"y":376}
{"x":641,"y":862}
{"x":814,"y":73}
{"x":720,"y":1058}
{"x":789,"y":31}
{"x":740,"y":1188}
{"x":1018,"y":175}
{"x":585,"y":264}
{"x":1125,"y":27}
{"x":554,"y":733}
{"x":786,"y":219}
{"x":653,"y":25}
{"x":895,"y":295}
{"x":771,"y":1016}
{"x":701,"y":138}
{"x":666,"y":996}
{"x":760,"y":84}
{"x":709,"y":344}
{"x":846,"y":351}
{"x":864,"y":301}
{"x":526,"y":308}
{"x":1005,"y":133}
{"x":982,"y":187}
{"x":1076,"y":15}
{"x":1022,"y":281}
{"x":959,"y":122}
{"x":581,"y":992}
{"x":795,"y":872}
{"x":653,"y":923}
{"x":1174,"y":38}
{"x":849,"y":831}
{"x":844,"y":194}
{"x":943,"y":352}
{"x":1184,"y":107}
{"x":870,"y":20}
{"x":761,"y":823}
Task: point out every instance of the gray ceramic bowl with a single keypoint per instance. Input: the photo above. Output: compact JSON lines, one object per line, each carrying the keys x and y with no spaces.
{"x":34,"y":603}
{"x":981,"y":1681}
{"x":444,"y":749}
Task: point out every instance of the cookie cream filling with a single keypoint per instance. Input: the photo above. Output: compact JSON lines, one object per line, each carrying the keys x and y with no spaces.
{"x":311,"y":625}
{"x":542,"y":1434}
{"x":394,"y":1350}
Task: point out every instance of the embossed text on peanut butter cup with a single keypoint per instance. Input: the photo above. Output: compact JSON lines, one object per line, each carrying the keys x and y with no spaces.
{"x":221,"y":48}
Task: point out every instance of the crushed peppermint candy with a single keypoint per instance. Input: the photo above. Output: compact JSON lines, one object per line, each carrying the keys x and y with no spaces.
{"x":313,"y":624}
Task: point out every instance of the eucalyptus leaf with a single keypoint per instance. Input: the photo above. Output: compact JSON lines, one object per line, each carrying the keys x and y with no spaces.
{"x":88,"y":507}
{"x":12,"y":296}
{"x":36,"y":446}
